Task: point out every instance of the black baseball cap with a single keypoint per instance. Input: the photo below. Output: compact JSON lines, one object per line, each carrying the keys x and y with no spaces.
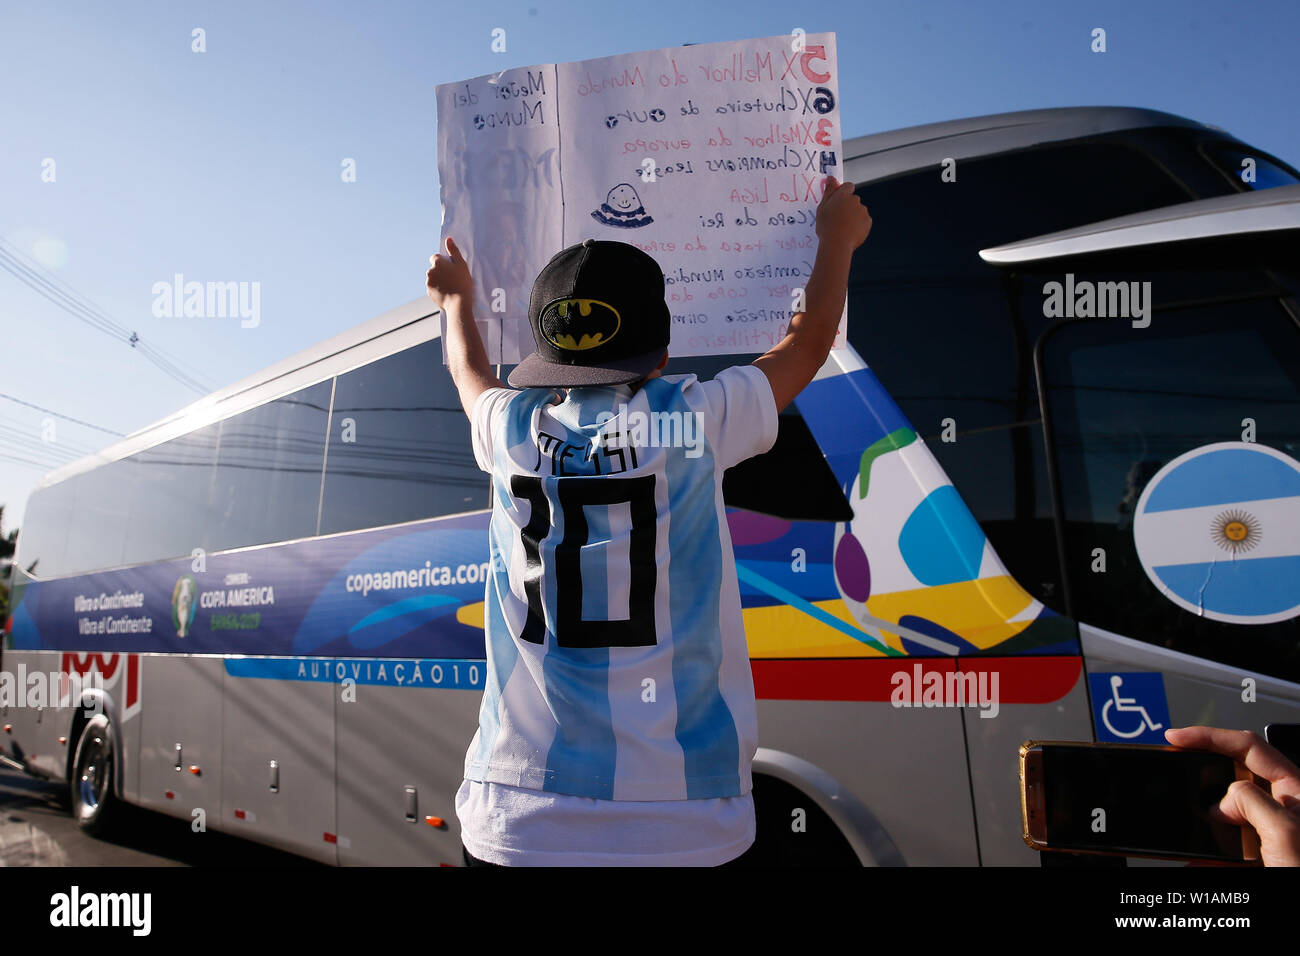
{"x":598,"y":316}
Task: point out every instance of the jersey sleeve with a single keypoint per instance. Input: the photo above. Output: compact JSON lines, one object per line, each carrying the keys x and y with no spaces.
{"x":484,"y":422}
{"x":740,"y":402}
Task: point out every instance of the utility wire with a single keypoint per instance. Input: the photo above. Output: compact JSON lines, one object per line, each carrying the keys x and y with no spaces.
{"x":58,"y":450}
{"x":43,"y":286}
{"x":68,"y":418}
{"x":45,"y":466}
{"x":79,"y":307}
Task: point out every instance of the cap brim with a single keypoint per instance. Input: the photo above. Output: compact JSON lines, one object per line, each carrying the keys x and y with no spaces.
{"x":535,"y":372}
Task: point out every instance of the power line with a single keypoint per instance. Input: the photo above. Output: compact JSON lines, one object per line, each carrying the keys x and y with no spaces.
{"x":31,"y":274}
{"x":41,"y":284}
{"x":18,"y":441}
{"x":158,"y":357}
{"x":69,"y":418}
{"x":49,"y":455}
{"x":44,"y":466}
{"x":79,"y":307}
{"x":56,"y":449}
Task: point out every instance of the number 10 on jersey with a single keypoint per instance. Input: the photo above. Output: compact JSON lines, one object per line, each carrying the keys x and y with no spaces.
{"x":575,"y":494}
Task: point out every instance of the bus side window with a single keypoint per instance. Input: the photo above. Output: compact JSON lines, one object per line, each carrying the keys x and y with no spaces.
{"x":43,"y":534}
{"x":399,"y":446}
{"x":1265,"y":171}
{"x":267,"y":480}
{"x":171,"y":497}
{"x":1122,"y":402}
{"x":101,"y":513}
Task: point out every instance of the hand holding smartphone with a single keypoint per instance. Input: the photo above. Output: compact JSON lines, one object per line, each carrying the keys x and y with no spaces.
{"x":1271,"y":805}
{"x":1131,"y":800}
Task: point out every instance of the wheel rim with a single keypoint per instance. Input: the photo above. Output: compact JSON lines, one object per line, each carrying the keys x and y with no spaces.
{"x":94,"y":774}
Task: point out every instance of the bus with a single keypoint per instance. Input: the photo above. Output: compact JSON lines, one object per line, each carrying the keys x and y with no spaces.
{"x":1048,"y":489}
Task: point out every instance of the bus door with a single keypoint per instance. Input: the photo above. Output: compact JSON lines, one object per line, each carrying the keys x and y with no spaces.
{"x":967,"y":641}
{"x":1175,"y":445}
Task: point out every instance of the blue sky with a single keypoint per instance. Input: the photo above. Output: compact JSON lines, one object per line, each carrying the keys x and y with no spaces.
{"x":225,"y":165}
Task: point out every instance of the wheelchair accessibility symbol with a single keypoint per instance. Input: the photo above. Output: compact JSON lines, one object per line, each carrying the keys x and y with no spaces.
{"x":1129,"y":707}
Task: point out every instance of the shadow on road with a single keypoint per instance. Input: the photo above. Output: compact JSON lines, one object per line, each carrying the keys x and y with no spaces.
{"x":37,"y":829}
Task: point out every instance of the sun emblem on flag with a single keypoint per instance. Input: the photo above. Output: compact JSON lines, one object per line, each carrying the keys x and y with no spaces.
{"x":1235,"y":531}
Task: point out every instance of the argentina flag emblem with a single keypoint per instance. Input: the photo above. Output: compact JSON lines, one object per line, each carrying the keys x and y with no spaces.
{"x":1218,"y":532}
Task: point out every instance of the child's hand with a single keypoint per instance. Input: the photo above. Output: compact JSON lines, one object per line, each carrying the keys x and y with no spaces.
{"x":841,"y":217}
{"x":449,"y":276}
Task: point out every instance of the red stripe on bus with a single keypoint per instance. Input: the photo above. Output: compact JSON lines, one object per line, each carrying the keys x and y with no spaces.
{"x":1023,"y":679}
{"x":331,"y":838}
{"x":1027,"y":679}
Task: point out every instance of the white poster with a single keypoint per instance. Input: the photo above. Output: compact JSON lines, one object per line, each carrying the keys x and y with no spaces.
{"x":708,"y":157}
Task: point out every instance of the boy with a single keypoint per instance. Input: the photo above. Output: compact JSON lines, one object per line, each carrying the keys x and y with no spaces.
{"x":618,"y":723}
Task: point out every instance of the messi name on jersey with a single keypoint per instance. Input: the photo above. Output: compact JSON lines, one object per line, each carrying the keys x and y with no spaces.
{"x":613,"y":448}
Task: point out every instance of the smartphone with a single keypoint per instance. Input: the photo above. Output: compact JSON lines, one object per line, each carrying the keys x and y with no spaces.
{"x":1286,"y":738}
{"x":1130,"y":800}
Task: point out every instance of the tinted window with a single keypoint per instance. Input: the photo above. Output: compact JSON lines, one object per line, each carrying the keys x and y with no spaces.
{"x":267,"y":480}
{"x":941,"y":331}
{"x":100,"y":514}
{"x":1267,"y":173}
{"x":43,"y":534}
{"x":1123,"y":402}
{"x":927,"y":228}
{"x":171,"y":497}
{"x":399,"y":445}
{"x":763,"y":483}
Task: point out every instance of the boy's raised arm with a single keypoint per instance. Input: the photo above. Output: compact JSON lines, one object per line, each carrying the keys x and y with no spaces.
{"x":451,"y":287}
{"x":842,"y":225}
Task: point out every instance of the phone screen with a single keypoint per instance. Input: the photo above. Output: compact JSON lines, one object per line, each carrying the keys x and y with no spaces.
{"x":1144,"y":801}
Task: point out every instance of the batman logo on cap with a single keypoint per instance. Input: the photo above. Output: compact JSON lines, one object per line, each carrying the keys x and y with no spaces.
{"x":575,"y":325}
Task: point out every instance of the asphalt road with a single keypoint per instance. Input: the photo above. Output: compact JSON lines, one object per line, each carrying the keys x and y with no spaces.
{"x":36,"y":829}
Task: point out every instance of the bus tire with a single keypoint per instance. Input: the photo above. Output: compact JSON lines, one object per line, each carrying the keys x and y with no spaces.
{"x":793,"y":831}
{"x":90,"y":786}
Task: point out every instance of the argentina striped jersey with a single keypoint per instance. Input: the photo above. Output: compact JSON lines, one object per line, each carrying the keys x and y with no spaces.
{"x":617,"y":666}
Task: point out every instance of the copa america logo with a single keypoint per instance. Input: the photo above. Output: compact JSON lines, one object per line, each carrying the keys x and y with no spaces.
{"x":185,"y":604}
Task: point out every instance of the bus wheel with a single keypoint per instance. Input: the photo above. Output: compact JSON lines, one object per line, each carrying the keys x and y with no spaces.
{"x":91,"y":784}
{"x":793,"y":831}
